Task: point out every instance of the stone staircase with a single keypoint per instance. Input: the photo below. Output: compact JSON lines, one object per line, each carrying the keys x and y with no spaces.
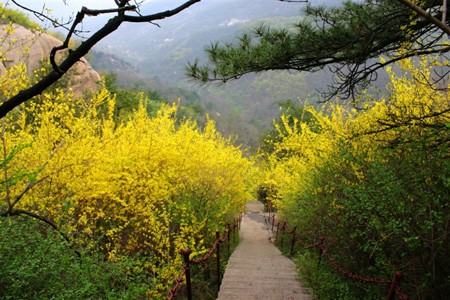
{"x":257,"y":270}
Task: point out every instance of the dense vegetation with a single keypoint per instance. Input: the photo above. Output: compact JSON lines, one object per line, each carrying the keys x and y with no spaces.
{"x":374,"y":183}
{"x":130,"y":190}
{"x":99,"y":194}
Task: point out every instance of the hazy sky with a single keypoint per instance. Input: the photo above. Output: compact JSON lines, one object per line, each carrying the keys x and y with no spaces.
{"x":59,"y":7}
{"x":70,"y":7}
{"x":62,"y":11}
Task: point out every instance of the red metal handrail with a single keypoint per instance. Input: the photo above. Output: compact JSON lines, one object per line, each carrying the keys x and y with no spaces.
{"x":394,"y":288}
{"x":185,"y":274}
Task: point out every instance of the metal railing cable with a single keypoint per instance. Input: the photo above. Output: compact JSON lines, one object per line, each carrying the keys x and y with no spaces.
{"x":394,"y":287}
{"x":185,"y":274}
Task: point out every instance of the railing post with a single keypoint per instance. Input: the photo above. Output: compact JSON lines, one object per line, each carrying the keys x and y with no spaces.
{"x":240,"y":221}
{"x":282,"y":235}
{"x":397,"y":276}
{"x":293,"y":241}
{"x":186,"y":252}
{"x":278,"y":228}
{"x":218,"y":259}
{"x":273,"y":220}
{"x":234,"y":230}
{"x":322,"y":240}
{"x":228,"y":238}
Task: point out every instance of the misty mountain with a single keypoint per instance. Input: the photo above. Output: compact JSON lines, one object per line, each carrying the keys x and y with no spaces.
{"x":165,"y":47}
{"x":156,"y":54}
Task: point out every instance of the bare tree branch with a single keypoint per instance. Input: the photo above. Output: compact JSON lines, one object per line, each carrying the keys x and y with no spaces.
{"x":41,"y":16}
{"x":79,"y":18}
{"x":427,"y":15}
{"x":75,"y":55}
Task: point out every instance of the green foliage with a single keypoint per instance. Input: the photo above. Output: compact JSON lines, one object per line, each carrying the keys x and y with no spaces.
{"x":295,"y":115}
{"x":375,"y":184}
{"x":128,"y":100}
{"x":323,"y":280}
{"x":393,"y":215}
{"x":31,"y":265}
{"x":10,"y":15}
{"x":37,"y":264}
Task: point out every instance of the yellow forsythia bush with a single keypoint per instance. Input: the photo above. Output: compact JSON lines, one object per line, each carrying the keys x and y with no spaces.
{"x":373,"y":182}
{"x":147,"y":187}
{"x":413,"y":109}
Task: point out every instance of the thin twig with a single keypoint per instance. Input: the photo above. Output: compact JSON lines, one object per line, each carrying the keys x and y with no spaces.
{"x":42,"y":16}
{"x":75,"y":55}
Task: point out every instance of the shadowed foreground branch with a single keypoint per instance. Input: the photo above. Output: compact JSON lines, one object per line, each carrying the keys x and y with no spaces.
{"x":76,"y":54}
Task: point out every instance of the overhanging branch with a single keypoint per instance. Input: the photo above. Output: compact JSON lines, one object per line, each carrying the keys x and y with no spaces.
{"x":41,"y":16}
{"x":79,"y":18}
{"x":75,"y":55}
{"x":427,"y":15}
{"x":347,"y":40}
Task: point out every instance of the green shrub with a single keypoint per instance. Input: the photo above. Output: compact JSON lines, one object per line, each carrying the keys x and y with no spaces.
{"x":10,"y":15}
{"x":36,"y":263}
{"x":392,"y":216}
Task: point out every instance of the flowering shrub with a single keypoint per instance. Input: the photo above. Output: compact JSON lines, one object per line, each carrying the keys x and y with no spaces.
{"x":144,"y":188}
{"x":374,"y":181}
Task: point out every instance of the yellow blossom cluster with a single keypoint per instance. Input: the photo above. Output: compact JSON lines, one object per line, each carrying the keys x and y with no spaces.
{"x":147,"y":187}
{"x":415,"y":109}
{"x":374,"y":180}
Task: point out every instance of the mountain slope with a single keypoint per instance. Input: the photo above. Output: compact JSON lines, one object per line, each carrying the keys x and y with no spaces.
{"x":245,"y":107}
{"x":165,"y":48}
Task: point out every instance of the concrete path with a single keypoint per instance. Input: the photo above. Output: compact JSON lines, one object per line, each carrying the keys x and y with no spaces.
{"x":257,"y":270}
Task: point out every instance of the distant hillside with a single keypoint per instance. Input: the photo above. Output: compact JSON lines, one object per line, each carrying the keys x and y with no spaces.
{"x":163,"y":51}
{"x":157,"y":57}
{"x":127,"y":74}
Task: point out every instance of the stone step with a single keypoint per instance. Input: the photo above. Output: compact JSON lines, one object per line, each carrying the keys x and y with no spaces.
{"x":272,"y":286}
{"x":262,"y":268}
{"x":255,"y":276}
{"x":252,"y":275}
{"x":264,"y":263}
{"x":261,"y":265}
{"x":261,"y":294}
{"x":257,"y":269}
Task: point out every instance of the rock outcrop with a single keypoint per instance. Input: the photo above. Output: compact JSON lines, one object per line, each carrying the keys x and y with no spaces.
{"x":32,"y":48}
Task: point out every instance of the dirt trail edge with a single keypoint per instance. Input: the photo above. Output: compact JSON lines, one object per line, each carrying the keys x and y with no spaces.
{"x":257,"y":269}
